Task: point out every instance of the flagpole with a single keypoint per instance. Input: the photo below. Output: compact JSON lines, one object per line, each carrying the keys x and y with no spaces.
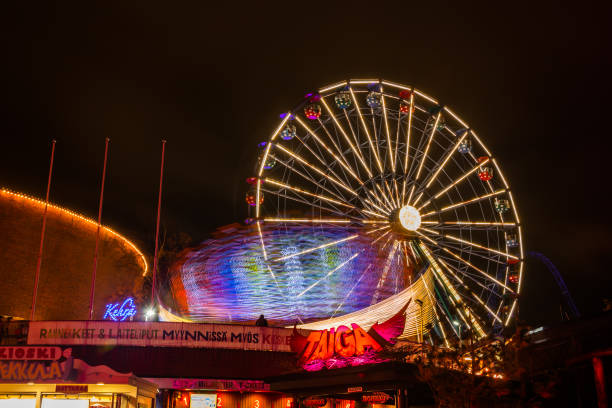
{"x":95,"y":265}
{"x":161,"y":177}
{"x":42,"y":235}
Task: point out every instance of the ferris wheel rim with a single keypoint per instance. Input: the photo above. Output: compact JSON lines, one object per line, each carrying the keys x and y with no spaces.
{"x":329,"y":90}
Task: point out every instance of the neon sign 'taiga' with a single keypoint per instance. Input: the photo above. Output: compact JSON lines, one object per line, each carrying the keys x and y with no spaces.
{"x":120,"y":311}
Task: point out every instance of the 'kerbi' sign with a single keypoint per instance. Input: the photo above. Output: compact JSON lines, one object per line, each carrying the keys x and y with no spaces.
{"x":158,"y":334}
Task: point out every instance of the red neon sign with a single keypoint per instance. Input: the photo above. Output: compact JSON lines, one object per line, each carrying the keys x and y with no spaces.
{"x":342,"y":346}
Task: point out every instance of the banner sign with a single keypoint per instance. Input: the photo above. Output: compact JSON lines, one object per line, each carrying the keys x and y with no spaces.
{"x":30,"y":353}
{"x":158,"y":334}
{"x":210,"y":384}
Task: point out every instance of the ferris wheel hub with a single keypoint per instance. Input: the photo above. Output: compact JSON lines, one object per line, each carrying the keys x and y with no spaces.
{"x":409,"y":218}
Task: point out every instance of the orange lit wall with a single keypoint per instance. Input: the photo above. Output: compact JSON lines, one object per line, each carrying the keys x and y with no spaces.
{"x":67,"y":262}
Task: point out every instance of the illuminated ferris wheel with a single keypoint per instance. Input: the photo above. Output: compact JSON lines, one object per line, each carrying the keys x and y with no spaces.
{"x":386,"y":166}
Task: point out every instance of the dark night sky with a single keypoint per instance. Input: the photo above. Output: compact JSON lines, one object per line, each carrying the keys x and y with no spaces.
{"x":533,"y":81}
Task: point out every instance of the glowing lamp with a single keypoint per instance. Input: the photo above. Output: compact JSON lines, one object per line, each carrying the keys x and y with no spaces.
{"x":409,"y":218}
{"x":374,"y":100}
{"x":501,"y":205}
{"x":312,"y":111}
{"x":441,"y":123}
{"x":343,"y":100}
{"x":465,"y":146}
{"x":288,"y":132}
{"x":513,"y":278}
{"x":252,"y":180}
{"x":251,"y":198}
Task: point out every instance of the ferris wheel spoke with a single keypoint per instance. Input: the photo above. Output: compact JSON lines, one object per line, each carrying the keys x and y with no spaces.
{"x":389,"y":144}
{"x":308,"y":193}
{"x":449,"y":154}
{"x":468,"y":276}
{"x":457,"y":257}
{"x":319,"y":158}
{"x":384,"y":195}
{"x":455,"y":298}
{"x":383,"y":211}
{"x":357,"y":143}
{"x":309,"y":178}
{"x":309,"y":203}
{"x":373,"y":194}
{"x":319,"y":171}
{"x":474,"y":295}
{"x":309,"y":220}
{"x":330,"y":273}
{"x":454,"y":183}
{"x":397,"y":138}
{"x":397,"y":193}
{"x":373,"y":213}
{"x":463,"y":203}
{"x":346,"y":137}
{"x":391,"y":197}
{"x":511,"y":312}
{"x":333,"y":142}
{"x":408,"y":132}
{"x":336,"y":158}
{"x":365,"y":128}
{"x":426,"y":152}
{"x":479,"y":253}
{"x":475,"y":225}
{"x":466,"y":242}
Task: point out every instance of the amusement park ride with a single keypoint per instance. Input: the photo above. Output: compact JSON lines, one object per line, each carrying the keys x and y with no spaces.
{"x":369,"y":197}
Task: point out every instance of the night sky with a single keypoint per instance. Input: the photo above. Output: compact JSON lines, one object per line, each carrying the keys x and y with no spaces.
{"x":533,"y":81}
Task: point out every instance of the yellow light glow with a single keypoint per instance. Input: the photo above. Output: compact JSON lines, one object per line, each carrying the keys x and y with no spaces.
{"x":409,"y":217}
